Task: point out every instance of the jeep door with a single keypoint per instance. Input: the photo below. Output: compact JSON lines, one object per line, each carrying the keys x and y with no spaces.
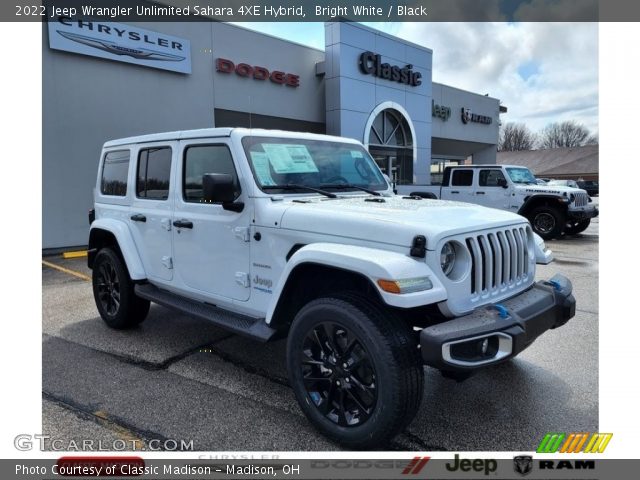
{"x":210,"y":244}
{"x":490,"y":191}
{"x":460,"y":187}
{"x":151,"y":208}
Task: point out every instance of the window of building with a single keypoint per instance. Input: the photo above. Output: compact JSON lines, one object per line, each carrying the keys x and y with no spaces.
{"x":490,"y":178}
{"x":154,"y":170}
{"x":200,"y":160}
{"x":391,"y":146}
{"x":115,"y":170}
{"x":462,"y":178}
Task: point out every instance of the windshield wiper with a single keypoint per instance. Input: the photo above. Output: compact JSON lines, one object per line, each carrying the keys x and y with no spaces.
{"x":343,"y":186}
{"x":295,"y":186}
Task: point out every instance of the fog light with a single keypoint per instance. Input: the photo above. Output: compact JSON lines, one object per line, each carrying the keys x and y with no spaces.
{"x":484,"y":346}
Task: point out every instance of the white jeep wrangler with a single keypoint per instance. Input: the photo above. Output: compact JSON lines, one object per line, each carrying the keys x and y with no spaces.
{"x":553,"y":210}
{"x":275,"y":234}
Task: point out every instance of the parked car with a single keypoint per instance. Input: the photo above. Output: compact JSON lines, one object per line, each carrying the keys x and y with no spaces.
{"x":273,"y":234}
{"x":591,"y":187}
{"x":552,"y":209}
{"x":563,"y":183}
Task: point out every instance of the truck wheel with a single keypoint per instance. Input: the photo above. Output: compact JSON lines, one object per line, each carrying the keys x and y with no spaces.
{"x":117,"y":303}
{"x":574,"y":228}
{"x":355,"y":370}
{"x":547,"y":222}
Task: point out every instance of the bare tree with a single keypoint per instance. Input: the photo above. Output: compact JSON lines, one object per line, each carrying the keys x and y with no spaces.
{"x":566,"y":134}
{"x":516,"y":136}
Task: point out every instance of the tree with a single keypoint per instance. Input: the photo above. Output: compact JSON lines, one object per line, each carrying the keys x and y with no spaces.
{"x":516,"y":136}
{"x":566,"y":134}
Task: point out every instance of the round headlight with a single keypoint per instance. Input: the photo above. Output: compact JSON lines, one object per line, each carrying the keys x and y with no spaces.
{"x":447,"y":258}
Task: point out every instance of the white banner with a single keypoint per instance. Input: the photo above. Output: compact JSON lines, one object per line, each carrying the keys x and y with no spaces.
{"x":122,"y":43}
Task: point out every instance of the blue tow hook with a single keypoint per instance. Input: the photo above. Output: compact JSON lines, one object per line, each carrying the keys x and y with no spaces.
{"x":556,"y":285}
{"x":502,"y":311}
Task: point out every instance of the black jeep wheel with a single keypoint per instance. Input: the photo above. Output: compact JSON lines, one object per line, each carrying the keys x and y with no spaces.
{"x":355,"y":370}
{"x":574,"y":228}
{"x":113,"y":292}
{"x":547,"y":222}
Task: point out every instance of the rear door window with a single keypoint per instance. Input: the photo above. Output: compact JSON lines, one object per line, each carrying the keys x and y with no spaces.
{"x":115,"y":171}
{"x":154,"y":172}
{"x":462,"y":178}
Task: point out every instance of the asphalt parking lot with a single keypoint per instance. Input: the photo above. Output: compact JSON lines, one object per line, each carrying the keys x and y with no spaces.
{"x":179,"y":378}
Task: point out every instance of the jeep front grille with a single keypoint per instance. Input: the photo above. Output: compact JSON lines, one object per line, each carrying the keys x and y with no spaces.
{"x":581,"y":199}
{"x":498,"y":259}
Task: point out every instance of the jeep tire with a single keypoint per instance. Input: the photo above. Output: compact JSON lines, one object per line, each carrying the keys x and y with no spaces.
{"x":355,"y":370}
{"x":574,"y":228}
{"x":113,"y":292}
{"x":548,"y":222}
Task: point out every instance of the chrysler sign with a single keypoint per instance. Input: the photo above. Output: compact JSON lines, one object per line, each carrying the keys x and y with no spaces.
{"x":122,"y":43}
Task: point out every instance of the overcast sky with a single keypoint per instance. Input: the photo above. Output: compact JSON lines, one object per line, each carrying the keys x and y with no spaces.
{"x":543,"y":72}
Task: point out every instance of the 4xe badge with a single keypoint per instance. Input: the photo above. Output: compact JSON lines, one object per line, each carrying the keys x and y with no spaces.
{"x":523,"y":464}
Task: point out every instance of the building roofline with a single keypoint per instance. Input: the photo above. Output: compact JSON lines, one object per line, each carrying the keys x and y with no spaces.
{"x":380,"y":32}
{"x":465,"y":91}
{"x":270,"y":35}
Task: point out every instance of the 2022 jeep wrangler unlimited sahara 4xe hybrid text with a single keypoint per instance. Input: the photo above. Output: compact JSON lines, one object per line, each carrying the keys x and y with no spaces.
{"x":275,"y":234}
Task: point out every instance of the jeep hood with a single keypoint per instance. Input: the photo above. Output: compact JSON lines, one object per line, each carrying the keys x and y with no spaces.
{"x":395,"y":220}
{"x":550,"y":189}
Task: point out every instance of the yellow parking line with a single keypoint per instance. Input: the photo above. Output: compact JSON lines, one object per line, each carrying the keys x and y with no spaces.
{"x":67,"y":270}
{"x":76,"y":254}
{"x":122,"y":432}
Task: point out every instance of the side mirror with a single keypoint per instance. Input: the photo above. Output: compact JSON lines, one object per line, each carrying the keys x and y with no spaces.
{"x":502,"y":182}
{"x":219,"y":188}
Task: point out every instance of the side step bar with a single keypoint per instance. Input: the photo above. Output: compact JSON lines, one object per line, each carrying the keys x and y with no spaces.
{"x":254,"y":328}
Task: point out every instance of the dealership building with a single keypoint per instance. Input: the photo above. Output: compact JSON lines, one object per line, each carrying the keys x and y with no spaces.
{"x":105,"y":80}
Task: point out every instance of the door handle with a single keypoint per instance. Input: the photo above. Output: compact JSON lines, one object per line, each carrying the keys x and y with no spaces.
{"x":480,"y":193}
{"x":138,"y":217}
{"x":183,"y":224}
{"x":454,"y":191}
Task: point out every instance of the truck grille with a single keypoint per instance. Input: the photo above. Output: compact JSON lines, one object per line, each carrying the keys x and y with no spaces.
{"x":581,"y":199}
{"x":499,"y":259}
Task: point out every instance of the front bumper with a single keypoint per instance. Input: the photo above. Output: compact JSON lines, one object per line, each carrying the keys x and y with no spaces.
{"x":583,"y":213}
{"x":495,"y":333}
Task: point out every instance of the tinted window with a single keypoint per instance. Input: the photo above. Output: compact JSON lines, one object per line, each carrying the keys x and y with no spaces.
{"x":462,"y":178}
{"x":202,"y":159}
{"x":115,"y":171}
{"x":154,"y":169}
{"x":489,"y":178}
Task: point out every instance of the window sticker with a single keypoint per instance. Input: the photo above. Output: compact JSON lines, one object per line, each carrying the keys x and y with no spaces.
{"x":356,"y":154}
{"x":261,"y":166}
{"x":287,"y":158}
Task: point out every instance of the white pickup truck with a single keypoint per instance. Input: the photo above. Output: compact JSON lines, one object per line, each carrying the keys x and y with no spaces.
{"x":552,"y":210}
{"x":272,"y":234}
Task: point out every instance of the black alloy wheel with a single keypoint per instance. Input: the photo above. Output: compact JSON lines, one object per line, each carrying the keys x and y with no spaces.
{"x":355,"y":369}
{"x":108,"y":288}
{"x":338,"y":374}
{"x":113,"y":292}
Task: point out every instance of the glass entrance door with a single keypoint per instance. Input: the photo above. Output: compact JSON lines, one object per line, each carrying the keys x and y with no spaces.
{"x":388,"y":164}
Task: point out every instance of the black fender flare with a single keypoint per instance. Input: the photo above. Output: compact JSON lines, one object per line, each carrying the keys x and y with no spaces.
{"x":533,"y":200}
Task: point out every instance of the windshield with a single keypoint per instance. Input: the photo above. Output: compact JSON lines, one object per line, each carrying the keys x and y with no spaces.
{"x":294,"y":164}
{"x":521,"y":175}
